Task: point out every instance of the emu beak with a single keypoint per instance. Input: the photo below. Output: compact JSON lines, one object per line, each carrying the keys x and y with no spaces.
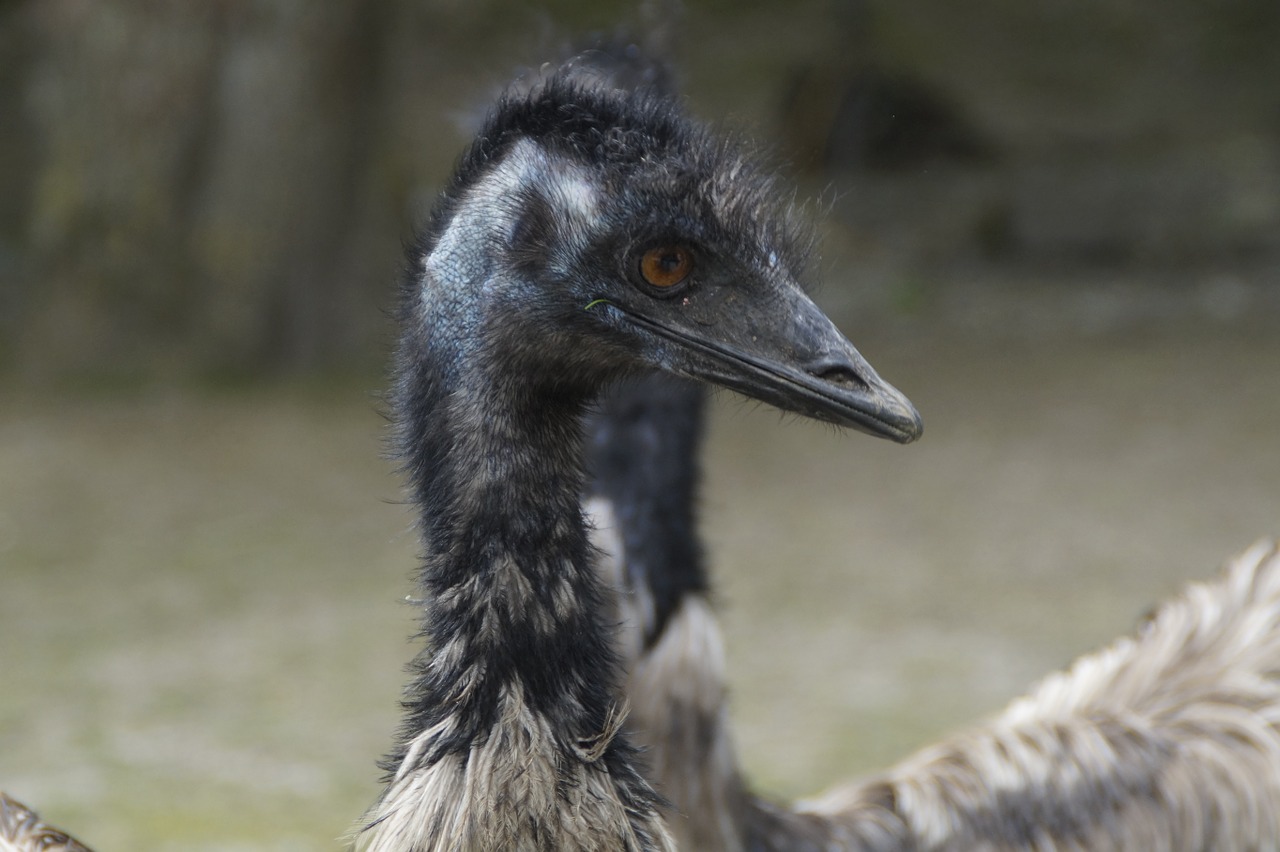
{"x":783,"y":350}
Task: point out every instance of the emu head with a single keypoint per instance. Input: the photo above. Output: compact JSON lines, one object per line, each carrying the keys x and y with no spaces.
{"x":590,"y":232}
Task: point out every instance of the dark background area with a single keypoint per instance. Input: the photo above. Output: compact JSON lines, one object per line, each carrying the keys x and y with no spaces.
{"x":222,"y":188}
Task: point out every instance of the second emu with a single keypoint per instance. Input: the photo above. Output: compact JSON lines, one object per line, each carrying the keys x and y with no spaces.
{"x":1164,"y":740}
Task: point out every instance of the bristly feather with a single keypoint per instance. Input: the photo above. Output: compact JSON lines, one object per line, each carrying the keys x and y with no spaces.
{"x":21,"y":830}
{"x":1167,"y":740}
{"x":629,"y":139}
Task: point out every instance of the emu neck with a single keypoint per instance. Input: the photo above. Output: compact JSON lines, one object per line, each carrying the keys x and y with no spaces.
{"x":510,"y":736}
{"x":510,"y":740}
{"x":507,"y":579}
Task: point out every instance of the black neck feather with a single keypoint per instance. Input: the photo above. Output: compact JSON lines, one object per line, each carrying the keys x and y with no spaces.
{"x":642,"y":451}
{"x":510,"y":596}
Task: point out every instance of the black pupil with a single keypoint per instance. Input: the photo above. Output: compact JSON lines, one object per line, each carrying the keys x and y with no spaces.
{"x":670,"y":262}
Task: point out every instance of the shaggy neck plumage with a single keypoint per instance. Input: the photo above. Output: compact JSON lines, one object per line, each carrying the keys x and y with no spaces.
{"x":511,"y":731}
{"x":510,"y":598}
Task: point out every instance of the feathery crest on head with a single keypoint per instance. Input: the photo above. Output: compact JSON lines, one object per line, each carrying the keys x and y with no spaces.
{"x":640,"y":149}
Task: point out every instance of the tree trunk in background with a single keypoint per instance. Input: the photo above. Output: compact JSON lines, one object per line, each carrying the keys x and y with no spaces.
{"x":17,"y":153}
{"x":294,"y":110}
{"x":118,"y":97}
{"x":200,"y":168}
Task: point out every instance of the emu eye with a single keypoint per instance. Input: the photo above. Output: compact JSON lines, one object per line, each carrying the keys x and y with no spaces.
{"x":666,"y":266}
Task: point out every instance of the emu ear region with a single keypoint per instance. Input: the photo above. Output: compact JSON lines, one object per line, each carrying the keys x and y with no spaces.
{"x":553,"y":210}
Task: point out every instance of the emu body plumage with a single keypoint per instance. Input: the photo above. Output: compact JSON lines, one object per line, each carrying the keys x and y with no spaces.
{"x":1167,"y":740}
{"x":21,"y":830}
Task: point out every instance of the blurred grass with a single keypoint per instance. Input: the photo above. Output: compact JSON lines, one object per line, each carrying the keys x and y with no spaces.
{"x":201,"y":627}
{"x":193,"y":584}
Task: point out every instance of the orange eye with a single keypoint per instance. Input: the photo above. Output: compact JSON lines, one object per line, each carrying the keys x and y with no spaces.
{"x":666,"y":266}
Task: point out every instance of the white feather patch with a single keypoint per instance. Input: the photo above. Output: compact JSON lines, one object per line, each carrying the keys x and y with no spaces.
{"x":513,"y":791}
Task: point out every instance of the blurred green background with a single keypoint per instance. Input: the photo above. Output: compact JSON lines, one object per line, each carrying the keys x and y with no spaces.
{"x":1055,"y":225}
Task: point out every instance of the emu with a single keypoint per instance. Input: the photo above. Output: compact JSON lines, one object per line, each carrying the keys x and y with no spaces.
{"x":586,"y":235}
{"x":1165,"y":740}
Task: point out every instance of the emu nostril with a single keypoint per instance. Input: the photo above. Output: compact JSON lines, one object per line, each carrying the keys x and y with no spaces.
{"x":839,"y":374}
